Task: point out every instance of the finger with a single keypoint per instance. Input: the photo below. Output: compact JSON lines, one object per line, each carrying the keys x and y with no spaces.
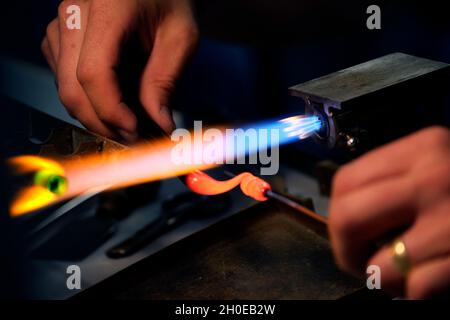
{"x":53,"y":39}
{"x":426,"y":240}
{"x":70,"y":91}
{"x":429,"y":280}
{"x":45,"y":48}
{"x":392,"y":160}
{"x":357,"y":221}
{"x":96,"y":66}
{"x":174,"y":42}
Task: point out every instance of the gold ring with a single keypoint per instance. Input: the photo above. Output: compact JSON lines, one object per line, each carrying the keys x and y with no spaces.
{"x":400,"y":257}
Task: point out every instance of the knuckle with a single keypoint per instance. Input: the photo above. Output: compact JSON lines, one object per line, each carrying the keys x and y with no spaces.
{"x":161,"y":86}
{"x":436,"y":136}
{"x":105,"y":116}
{"x":62,"y":8}
{"x":435,"y":180}
{"x":166,"y":84}
{"x":417,"y":287}
{"x":342,"y":177}
{"x":44,"y":45}
{"x":86,"y":74}
{"x":51,"y":28}
{"x":189,"y":34}
{"x":98,"y":6}
{"x":71,"y":110}
{"x":69,"y":97}
{"x":65,"y":5}
{"x":435,"y":145}
{"x":184,"y":32}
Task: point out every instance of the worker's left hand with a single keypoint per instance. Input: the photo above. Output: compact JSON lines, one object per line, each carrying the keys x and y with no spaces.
{"x":401,"y":189}
{"x":85,"y":60}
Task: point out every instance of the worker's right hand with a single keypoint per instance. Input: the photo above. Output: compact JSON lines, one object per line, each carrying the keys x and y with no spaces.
{"x":85,"y":60}
{"x":401,"y":190}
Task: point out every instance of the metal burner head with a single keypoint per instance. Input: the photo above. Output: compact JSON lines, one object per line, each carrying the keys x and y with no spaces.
{"x":375,"y":102}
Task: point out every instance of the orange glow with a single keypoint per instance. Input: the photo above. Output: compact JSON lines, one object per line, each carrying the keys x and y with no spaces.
{"x":116,"y":169}
{"x":31,"y":198}
{"x":140,"y":164}
{"x":35,"y":196}
{"x":28,"y":164}
{"x":254,"y":187}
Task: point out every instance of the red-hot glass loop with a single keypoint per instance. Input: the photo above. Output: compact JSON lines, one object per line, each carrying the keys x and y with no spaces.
{"x":254,"y":187}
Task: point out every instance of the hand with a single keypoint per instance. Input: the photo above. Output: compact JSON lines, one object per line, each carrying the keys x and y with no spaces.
{"x":84,"y":61}
{"x":402,"y":186}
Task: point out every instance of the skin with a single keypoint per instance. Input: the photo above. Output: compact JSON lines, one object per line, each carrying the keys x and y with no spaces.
{"x":84,"y":61}
{"x":402,"y":186}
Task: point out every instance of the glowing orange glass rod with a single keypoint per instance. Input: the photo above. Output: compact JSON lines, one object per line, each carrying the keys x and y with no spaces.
{"x":254,"y":187}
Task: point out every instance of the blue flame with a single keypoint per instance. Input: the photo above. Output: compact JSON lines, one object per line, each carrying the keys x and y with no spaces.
{"x":270,"y":134}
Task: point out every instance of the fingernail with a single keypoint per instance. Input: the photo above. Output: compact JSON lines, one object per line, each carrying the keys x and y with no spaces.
{"x":167,"y":113}
{"x":128,"y":136}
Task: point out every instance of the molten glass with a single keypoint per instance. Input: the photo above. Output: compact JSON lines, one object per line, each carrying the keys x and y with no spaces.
{"x":254,"y":187}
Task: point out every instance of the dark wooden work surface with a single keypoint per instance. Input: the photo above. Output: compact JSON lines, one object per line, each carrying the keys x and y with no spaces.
{"x":266,"y":252}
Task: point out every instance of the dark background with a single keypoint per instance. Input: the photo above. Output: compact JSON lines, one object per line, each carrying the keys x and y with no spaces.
{"x":252,"y":50}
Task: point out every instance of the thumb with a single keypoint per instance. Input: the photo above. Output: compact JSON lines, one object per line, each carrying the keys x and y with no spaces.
{"x":171,"y":49}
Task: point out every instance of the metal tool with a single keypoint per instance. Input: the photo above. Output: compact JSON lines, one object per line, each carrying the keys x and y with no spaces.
{"x":286,"y":200}
{"x":175,"y":211}
{"x":377,"y":101}
{"x":294,"y":205}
